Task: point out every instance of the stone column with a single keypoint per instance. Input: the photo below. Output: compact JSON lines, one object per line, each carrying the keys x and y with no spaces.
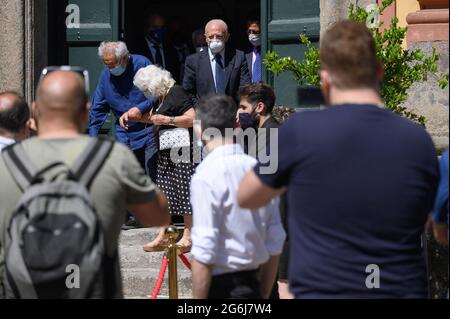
{"x":335,"y":10}
{"x":12,"y":49}
{"x":23,"y":50}
{"x":428,"y":28}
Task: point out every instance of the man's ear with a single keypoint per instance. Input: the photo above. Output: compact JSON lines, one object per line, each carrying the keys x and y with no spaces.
{"x":324,"y":76}
{"x":260,"y":108}
{"x":33,"y":122}
{"x":227,"y":37}
{"x":86,"y":110}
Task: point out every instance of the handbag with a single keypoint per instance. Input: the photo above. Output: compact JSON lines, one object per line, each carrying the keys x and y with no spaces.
{"x":174,"y":138}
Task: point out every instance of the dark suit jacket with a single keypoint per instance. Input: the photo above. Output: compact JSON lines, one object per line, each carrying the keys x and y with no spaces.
{"x":170,"y":56}
{"x":249,"y":57}
{"x":198,"y":76}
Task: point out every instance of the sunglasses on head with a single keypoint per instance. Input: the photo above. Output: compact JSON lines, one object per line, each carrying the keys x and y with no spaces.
{"x":82,"y":72}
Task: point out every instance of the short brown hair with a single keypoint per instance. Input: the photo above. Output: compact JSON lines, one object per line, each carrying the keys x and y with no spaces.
{"x":348,"y":52}
{"x":258,"y":92}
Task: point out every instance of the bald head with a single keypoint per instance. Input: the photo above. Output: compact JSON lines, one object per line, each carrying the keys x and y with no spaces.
{"x":61,"y":95}
{"x":14,"y":114}
{"x":218,"y":25}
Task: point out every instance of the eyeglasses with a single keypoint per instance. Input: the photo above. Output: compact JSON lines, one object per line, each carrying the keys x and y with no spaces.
{"x":82,"y":72}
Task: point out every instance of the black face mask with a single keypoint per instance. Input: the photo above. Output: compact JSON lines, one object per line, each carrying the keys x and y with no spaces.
{"x":248,"y":120}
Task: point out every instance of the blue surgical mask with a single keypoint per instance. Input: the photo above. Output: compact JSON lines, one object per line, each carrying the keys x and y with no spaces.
{"x":118,"y":70}
{"x":158,"y":35}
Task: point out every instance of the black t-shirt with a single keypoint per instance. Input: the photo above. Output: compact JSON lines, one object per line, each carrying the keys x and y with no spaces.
{"x":361,"y":182}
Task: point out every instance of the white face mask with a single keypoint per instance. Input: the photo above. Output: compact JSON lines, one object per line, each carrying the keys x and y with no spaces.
{"x":255,"y":39}
{"x":216,"y":46}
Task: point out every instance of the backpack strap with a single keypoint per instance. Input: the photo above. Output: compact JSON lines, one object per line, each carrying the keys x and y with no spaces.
{"x":19,"y":165}
{"x":91,"y":160}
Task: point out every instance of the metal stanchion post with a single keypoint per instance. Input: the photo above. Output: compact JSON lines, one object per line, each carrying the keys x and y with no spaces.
{"x":172,"y":254}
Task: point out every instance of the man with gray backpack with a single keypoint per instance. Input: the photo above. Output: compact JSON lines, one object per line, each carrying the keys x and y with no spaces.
{"x":63,"y":199}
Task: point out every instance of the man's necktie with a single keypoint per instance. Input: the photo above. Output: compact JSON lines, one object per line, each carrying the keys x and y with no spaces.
{"x":256,"y":72}
{"x":158,"y":56}
{"x":220,"y":75}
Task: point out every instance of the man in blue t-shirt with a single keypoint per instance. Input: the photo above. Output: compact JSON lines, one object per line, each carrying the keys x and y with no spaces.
{"x":360,"y":182}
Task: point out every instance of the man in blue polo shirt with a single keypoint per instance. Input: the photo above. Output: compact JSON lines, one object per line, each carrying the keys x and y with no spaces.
{"x":116,"y":93}
{"x":360,"y":182}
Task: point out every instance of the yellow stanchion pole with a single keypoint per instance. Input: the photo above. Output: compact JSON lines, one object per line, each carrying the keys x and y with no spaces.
{"x":172,"y":254}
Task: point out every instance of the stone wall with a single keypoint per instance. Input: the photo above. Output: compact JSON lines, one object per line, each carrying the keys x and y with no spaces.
{"x":429,"y":100}
{"x":23,"y":49}
{"x":12,"y":48}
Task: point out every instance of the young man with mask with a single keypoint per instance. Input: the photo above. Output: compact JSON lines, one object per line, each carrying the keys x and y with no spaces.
{"x":154,"y":45}
{"x":254,"y":58}
{"x":116,"y":93}
{"x":219,"y":69}
{"x":360,"y":182}
{"x":257,"y":101}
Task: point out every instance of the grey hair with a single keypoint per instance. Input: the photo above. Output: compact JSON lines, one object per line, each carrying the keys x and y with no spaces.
{"x":118,"y":47}
{"x":216,"y":21}
{"x":154,"y":81}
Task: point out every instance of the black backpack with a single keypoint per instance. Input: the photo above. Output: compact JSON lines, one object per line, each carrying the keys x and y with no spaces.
{"x":54,"y":246}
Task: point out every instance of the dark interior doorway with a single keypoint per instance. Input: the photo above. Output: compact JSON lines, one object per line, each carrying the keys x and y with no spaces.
{"x":190,"y":16}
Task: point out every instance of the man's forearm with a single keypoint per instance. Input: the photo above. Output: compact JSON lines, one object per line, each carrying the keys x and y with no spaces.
{"x":268,"y":273}
{"x":201,"y":279}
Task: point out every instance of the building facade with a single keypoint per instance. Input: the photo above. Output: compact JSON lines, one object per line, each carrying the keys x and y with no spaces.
{"x":34,"y":33}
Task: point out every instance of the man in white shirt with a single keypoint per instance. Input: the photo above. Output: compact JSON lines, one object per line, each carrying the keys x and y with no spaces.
{"x":236,"y":251}
{"x":14,"y":119}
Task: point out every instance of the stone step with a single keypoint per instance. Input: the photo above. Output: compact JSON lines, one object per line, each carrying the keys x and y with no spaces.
{"x":135,"y":257}
{"x":140,"y":269}
{"x":141,"y":282}
{"x":138,"y":236}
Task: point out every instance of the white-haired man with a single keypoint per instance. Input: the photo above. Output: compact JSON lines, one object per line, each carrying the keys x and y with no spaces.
{"x":220,"y":69}
{"x":116,"y":93}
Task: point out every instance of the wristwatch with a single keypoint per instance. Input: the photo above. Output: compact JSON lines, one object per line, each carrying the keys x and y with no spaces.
{"x":172,"y":121}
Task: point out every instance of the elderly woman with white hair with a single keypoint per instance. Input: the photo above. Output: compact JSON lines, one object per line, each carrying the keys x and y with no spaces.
{"x":174,"y":117}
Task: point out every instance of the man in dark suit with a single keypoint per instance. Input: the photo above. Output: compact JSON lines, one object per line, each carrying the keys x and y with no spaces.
{"x":254,"y":61}
{"x":155,"y":46}
{"x":219,"y":69}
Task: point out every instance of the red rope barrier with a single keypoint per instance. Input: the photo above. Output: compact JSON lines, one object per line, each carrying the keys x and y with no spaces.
{"x":160,"y":280}
{"x":185,"y":261}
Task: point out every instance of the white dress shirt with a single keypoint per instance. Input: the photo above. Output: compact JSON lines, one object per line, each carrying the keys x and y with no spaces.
{"x":212,"y":59}
{"x":152,"y":48}
{"x":223,"y":234}
{"x":4,"y":142}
